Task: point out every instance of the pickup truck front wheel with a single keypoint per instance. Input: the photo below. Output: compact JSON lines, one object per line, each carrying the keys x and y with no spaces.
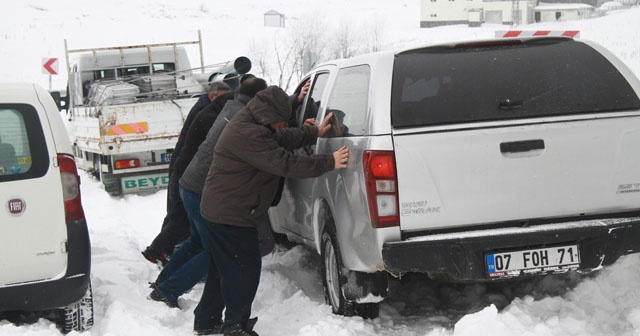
{"x":335,"y":278}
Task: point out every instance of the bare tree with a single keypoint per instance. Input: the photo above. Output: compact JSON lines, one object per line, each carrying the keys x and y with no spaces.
{"x":279,"y":58}
{"x":284,"y":57}
{"x":354,"y":38}
{"x":260,"y":57}
{"x":307,"y":40}
{"x":287,"y":60}
{"x":345,"y":41}
{"x":373,"y":34}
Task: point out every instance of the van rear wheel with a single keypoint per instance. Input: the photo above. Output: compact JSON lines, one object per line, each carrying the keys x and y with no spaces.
{"x":79,"y":315}
{"x":335,"y":280}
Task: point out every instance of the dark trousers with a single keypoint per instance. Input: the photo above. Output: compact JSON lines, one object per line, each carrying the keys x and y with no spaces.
{"x":175,"y":227}
{"x":234,"y":251}
{"x":190,"y":263}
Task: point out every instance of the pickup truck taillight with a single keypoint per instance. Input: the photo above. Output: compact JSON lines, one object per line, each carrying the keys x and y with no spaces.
{"x":382,"y":188}
{"x":127,"y":163}
{"x":70,"y":187}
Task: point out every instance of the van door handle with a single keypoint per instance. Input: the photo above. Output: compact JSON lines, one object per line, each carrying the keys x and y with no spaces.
{"x":522,"y":146}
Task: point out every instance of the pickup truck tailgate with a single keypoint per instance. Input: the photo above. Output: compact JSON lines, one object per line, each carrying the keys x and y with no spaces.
{"x":478,"y":175}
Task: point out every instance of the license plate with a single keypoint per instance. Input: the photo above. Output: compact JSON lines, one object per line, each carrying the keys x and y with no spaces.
{"x":136,"y":183}
{"x":165,"y":157}
{"x":543,"y":260}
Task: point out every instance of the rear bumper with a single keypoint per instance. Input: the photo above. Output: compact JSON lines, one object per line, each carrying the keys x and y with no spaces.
{"x":461,"y":255}
{"x":55,"y":293}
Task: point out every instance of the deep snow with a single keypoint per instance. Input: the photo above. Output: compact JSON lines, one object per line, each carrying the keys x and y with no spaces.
{"x":290,"y":299}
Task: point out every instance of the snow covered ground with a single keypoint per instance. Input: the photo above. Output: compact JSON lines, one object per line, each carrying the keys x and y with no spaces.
{"x":290,"y":299}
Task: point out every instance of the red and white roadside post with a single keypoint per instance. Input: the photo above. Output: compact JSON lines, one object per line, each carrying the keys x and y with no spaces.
{"x":50,"y":67}
{"x":537,"y":33}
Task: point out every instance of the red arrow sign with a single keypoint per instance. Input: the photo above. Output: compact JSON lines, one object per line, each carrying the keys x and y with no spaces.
{"x":50,"y":66}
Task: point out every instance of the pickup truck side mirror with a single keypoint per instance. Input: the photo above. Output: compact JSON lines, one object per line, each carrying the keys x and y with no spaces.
{"x":61,"y":102}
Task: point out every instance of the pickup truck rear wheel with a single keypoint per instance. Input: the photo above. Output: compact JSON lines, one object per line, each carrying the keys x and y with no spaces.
{"x":335,"y":280}
{"x":111,"y":183}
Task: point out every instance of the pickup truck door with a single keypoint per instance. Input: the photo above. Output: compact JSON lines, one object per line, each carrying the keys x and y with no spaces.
{"x":296,"y":212}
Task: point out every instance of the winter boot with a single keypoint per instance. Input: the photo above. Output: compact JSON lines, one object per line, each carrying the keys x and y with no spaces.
{"x":157,"y":258}
{"x":241,"y":329}
{"x":157,"y":296}
{"x":208,"y":327}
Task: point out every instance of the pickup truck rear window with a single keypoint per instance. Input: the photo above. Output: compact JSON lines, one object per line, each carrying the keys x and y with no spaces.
{"x":536,"y":78}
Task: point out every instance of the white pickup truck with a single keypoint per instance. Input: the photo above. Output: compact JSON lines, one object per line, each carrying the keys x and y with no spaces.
{"x":127,"y":106}
{"x":472,"y":161}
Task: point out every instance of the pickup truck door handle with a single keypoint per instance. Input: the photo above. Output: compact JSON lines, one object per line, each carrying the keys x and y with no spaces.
{"x":522,"y":146}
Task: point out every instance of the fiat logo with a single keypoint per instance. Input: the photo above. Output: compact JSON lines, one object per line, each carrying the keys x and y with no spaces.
{"x":16,"y":206}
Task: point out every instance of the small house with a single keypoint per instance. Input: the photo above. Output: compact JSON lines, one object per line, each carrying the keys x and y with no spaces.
{"x":273,"y":19}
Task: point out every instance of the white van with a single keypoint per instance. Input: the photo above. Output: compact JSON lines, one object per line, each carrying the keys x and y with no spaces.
{"x":45,"y":253}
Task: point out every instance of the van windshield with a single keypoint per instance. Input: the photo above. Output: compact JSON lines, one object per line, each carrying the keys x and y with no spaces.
{"x":536,"y":78}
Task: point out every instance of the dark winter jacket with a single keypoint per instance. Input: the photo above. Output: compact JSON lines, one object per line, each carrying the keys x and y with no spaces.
{"x":196,"y":172}
{"x":198,"y":130}
{"x":250,"y":157}
{"x":202,"y":102}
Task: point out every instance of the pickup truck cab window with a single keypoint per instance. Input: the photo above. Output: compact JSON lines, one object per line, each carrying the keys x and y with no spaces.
{"x":312,"y":102}
{"x":349,"y":100}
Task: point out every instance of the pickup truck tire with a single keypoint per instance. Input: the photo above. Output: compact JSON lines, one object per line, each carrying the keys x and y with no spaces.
{"x":335,"y":279}
{"x":111,"y":183}
{"x":78,"y":316}
{"x":96,"y":167}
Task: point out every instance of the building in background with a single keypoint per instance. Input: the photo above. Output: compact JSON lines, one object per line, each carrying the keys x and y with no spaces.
{"x":554,"y":12}
{"x":510,"y":12}
{"x":273,"y":19}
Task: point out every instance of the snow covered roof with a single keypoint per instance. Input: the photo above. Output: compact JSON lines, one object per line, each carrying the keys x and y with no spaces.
{"x":611,"y":5}
{"x":562,"y":6}
{"x":272,"y":12}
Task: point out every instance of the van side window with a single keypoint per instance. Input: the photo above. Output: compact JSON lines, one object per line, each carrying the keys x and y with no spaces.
{"x":15,"y":157}
{"x":349,"y":101}
{"x":14,"y":146}
{"x":23,"y":151}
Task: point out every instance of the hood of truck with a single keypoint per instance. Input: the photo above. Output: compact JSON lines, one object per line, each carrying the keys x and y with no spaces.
{"x":491,"y":173}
